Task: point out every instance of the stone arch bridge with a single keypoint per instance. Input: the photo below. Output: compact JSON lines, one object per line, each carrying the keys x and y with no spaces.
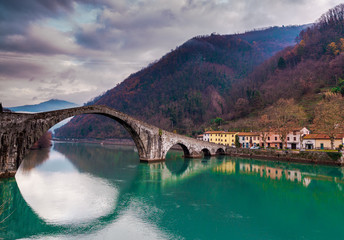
{"x":19,"y":131}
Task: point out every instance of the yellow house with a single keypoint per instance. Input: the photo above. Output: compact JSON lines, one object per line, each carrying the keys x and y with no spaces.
{"x":222,"y":137}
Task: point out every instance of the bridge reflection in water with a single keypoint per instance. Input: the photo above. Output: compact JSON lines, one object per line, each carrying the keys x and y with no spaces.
{"x":93,"y":191}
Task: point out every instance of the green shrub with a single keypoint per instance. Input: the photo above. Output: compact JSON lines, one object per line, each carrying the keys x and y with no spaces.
{"x":334,"y":155}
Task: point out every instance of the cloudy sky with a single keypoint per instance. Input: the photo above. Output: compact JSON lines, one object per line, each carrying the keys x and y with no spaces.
{"x":76,"y":49}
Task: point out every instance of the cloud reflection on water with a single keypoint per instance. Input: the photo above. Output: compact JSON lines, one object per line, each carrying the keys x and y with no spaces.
{"x":61,"y":195}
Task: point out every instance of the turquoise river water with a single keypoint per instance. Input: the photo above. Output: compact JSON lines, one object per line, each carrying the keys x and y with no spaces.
{"x":89,"y":191}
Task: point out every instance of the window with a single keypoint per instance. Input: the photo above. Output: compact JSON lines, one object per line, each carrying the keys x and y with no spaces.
{"x":294,"y":138}
{"x":288,"y":138}
{"x":268,"y":138}
{"x":276,"y":138}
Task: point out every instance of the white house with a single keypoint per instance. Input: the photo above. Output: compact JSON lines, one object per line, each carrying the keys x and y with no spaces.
{"x":294,"y":138}
{"x":308,"y":142}
{"x":206,"y":136}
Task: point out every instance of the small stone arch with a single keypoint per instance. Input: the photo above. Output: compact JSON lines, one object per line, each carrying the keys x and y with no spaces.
{"x":206,"y":152}
{"x":183,"y":146}
{"x":220,"y":151}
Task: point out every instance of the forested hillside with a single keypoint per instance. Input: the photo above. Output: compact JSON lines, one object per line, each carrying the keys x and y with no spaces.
{"x":301,"y":72}
{"x":189,"y":86}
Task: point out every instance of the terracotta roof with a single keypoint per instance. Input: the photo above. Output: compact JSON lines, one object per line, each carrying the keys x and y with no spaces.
{"x":322,"y":136}
{"x":248,"y":134}
{"x":223,"y":132}
{"x":298,"y":129}
{"x":201,"y":135}
{"x":214,"y":131}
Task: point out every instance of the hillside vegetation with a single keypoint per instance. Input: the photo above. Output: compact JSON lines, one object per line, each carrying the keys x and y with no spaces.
{"x":187,"y":87}
{"x":301,"y":72}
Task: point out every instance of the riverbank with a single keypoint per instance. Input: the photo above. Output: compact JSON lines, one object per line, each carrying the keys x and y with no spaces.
{"x":115,"y":141}
{"x":309,"y":157}
{"x":122,"y":142}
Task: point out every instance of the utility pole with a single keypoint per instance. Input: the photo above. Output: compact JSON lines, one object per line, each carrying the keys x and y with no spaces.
{"x":1,"y":109}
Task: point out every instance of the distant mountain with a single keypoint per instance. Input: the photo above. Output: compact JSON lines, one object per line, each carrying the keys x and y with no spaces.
{"x":51,"y":105}
{"x":188,"y":86}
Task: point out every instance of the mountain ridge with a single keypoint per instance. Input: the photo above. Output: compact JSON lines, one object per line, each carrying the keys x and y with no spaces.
{"x":50,"y":105}
{"x":186,"y":87}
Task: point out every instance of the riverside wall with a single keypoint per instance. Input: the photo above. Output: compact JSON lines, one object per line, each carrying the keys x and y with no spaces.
{"x":310,"y":157}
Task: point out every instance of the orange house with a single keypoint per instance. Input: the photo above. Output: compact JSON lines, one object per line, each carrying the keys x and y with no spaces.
{"x":273,"y":140}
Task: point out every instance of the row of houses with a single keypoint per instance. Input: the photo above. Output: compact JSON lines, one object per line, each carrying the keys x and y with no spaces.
{"x":296,"y":139}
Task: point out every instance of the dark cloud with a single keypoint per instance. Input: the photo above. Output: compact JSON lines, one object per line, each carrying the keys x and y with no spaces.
{"x":29,"y":10}
{"x":23,"y":70}
{"x":57,"y":48}
{"x":94,"y":39}
{"x":40,"y":39}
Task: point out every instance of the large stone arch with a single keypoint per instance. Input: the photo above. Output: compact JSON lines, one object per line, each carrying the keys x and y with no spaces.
{"x":20,"y":131}
{"x":54,"y":117}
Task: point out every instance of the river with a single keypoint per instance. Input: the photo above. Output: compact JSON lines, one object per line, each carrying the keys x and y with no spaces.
{"x":90,"y":191}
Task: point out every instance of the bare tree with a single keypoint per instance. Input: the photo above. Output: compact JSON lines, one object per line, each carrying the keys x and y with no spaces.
{"x":285,"y":115}
{"x":329,"y":118}
{"x":43,"y":142}
{"x":263,"y":126}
